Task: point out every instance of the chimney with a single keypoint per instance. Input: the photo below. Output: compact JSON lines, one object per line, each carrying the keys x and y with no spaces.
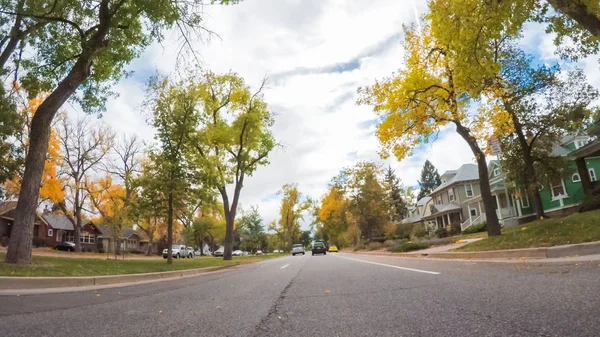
{"x":46,"y":210}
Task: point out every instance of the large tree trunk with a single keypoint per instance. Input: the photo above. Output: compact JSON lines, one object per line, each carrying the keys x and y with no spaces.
{"x":229,"y":219}
{"x":579,"y":12}
{"x":170,"y":230}
{"x":493,"y":225}
{"x":19,"y":250}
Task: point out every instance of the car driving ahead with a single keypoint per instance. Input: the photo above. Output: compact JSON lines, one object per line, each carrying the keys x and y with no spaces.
{"x":319,"y":248}
{"x":297,"y":249}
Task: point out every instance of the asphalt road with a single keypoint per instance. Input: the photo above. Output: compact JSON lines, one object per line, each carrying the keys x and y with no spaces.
{"x":333,"y":295}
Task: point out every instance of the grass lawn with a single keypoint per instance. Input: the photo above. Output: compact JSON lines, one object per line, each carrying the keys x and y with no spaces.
{"x":575,"y":228}
{"x":56,"y":266}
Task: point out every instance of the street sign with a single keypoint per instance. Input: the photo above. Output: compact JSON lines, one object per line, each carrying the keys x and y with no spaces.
{"x":494,"y":145}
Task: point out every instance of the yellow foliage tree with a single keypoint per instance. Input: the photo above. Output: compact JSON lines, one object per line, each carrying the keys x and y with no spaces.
{"x":333,"y":215}
{"x":51,"y":186}
{"x":425,"y":96}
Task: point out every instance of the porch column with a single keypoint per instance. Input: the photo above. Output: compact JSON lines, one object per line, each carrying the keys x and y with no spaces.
{"x":479,"y":204}
{"x":449,"y":223}
{"x":507,"y":201}
{"x":584,"y":175}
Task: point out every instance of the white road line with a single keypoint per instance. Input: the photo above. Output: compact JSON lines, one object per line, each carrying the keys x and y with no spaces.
{"x":284,"y":266}
{"x":391,"y":266}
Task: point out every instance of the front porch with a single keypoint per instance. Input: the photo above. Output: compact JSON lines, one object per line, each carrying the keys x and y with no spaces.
{"x":445,"y":215}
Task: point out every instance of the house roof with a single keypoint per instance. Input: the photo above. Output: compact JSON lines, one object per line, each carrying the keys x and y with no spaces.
{"x":443,"y":209}
{"x":6,"y":206}
{"x":58,"y":221}
{"x":560,"y":151}
{"x":423,"y":201}
{"x":126,"y":233}
{"x":411,"y":219}
{"x":466,"y":172}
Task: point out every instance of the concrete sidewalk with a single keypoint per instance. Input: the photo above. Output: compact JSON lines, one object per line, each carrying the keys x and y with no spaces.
{"x":444,"y":248}
{"x":589,"y":251}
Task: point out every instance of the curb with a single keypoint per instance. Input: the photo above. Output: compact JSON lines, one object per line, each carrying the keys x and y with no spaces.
{"x":27,"y":283}
{"x":580,"y":249}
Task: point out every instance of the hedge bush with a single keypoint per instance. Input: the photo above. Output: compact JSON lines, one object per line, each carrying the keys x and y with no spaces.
{"x":389,"y":243}
{"x":410,"y":246}
{"x":482,"y":227}
{"x":374,"y":245}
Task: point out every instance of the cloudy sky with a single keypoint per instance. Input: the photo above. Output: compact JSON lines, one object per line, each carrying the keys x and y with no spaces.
{"x":316,"y":53}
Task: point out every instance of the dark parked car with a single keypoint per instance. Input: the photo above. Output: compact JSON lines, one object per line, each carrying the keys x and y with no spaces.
{"x":66,"y":246}
{"x":319,"y":248}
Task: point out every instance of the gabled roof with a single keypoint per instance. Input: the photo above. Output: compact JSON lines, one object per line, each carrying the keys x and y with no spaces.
{"x":6,"y":206}
{"x":466,"y":172}
{"x":58,"y":221}
{"x":560,"y":151}
{"x":126,"y":233}
{"x":411,"y":219}
{"x":423,"y":201}
{"x":443,"y":209}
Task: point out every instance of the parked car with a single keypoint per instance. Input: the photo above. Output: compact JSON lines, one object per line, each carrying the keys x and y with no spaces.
{"x":199,"y":253}
{"x":237,"y":252}
{"x":259,"y":252}
{"x":333,"y":249}
{"x":244,"y":253}
{"x":319,"y":248}
{"x":219,"y":252}
{"x":66,"y":246}
{"x":277,"y":251}
{"x":297,"y":249}
{"x":179,"y":251}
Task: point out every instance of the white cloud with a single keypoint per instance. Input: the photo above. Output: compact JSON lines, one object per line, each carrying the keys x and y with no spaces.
{"x":317,"y":53}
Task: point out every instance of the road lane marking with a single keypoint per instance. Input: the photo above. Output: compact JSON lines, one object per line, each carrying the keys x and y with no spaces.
{"x":392,"y":266}
{"x":284,"y":266}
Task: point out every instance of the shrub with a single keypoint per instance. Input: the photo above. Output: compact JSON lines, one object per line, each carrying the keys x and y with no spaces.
{"x":135,"y":252}
{"x":101,"y":250}
{"x":403,"y":230}
{"x":410,"y":246}
{"x":418,"y":232}
{"x":590,"y":203}
{"x":441,"y":232}
{"x":39,"y":242}
{"x":389,"y":243}
{"x":482,"y":227}
{"x":374,"y":245}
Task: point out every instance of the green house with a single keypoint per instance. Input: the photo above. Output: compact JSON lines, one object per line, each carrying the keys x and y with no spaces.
{"x":558,"y":198}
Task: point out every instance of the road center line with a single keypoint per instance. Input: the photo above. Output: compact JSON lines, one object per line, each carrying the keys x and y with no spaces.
{"x":391,"y":266}
{"x":284,"y":266}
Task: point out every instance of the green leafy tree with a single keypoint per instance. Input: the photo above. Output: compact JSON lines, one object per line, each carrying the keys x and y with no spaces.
{"x":395,"y":191}
{"x":174,"y":119}
{"x":232,"y":138}
{"x":543,"y":107}
{"x":75,"y":50}
{"x":253,"y":232}
{"x":305,"y":238}
{"x":11,"y":121}
{"x":430,"y":179}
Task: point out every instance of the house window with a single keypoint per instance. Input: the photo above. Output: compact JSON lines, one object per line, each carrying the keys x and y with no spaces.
{"x":558,"y":190}
{"x":473,"y":212}
{"x":438,"y":199}
{"x":576,"y":178}
{"x":70,"y":236}
{"x":451,"y":194}
{"x":469,"y":190}
{"x":592,"y":174}
{"x":50,"y":232}
{"x":86,"y":237}
{"x":579,"y":144}
{"x":496,"y":171}
{"x":524,"y":201}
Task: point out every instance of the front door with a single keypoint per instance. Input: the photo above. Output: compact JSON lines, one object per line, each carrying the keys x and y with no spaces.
{"x":60,"y":235}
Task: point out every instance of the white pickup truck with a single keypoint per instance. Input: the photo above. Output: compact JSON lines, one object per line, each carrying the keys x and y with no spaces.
{"x":179,"y":251}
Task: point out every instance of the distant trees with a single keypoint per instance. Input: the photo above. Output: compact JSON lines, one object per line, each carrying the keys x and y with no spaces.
{"x":430,"y":180}
{"x":252,"y":231}
{"x":291,"y":211}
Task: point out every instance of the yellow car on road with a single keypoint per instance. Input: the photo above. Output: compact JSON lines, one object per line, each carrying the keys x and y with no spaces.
{"x":333,"y":249}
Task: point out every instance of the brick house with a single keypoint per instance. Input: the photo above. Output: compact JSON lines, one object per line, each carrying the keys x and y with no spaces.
{"x":60,"y":229}
{"x":7,"y":216}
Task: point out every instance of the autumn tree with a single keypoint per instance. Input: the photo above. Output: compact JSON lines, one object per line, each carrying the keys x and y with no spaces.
{"x":75,"y":51}
{"x":430,"y":180}
{"x":51,"y":187}
{"x":367,"y":198}
{"x":233,"y":138}
{"x":293,"y":205}
{"x":83,"y":146}
{"x":333,"y":214}
{"x":543,"y":107}
{"x":427,"y":94}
